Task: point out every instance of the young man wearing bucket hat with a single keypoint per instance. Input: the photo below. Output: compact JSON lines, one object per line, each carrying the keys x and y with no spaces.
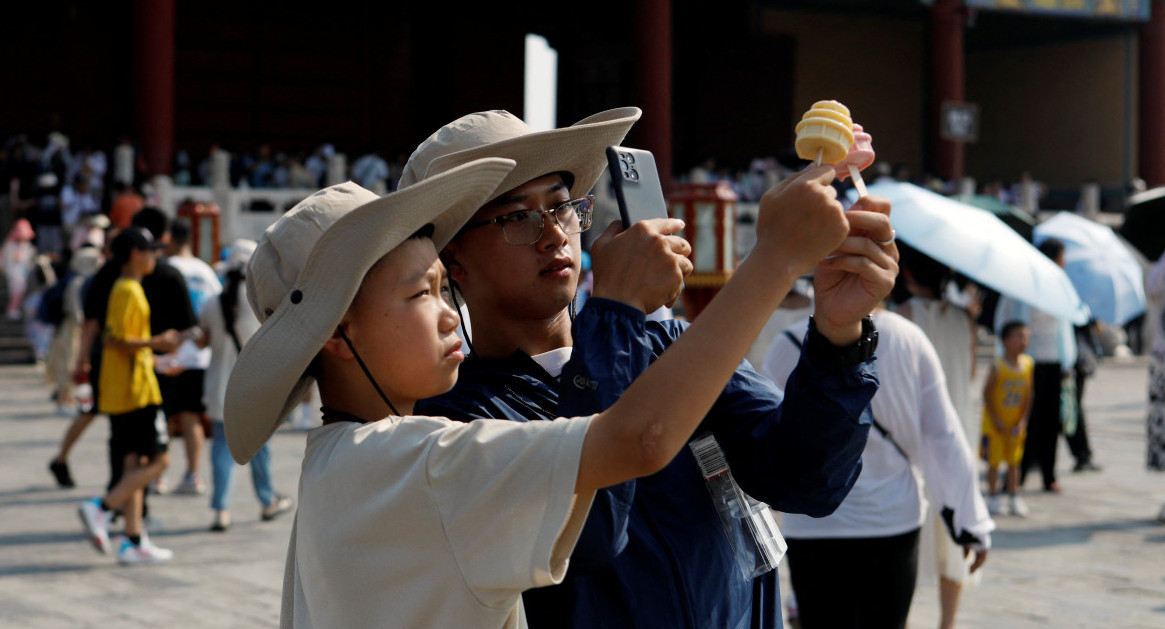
{"x":654,"y":551}
{"x":428,"y":522}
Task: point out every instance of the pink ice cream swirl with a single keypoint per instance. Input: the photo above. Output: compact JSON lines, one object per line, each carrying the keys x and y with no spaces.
{"x":861,"y":154}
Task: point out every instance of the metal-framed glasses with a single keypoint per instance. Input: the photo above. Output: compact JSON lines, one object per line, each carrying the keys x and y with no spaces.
{"x":525,"y":227}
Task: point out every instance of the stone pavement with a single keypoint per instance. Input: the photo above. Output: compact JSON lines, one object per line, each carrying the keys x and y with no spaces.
{"x":1093,"y":556}
{"x":50,"y":576}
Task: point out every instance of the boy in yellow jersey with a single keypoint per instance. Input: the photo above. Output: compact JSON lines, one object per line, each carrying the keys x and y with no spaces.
{"x":130,"y":396}
{"x":1007,"y":402}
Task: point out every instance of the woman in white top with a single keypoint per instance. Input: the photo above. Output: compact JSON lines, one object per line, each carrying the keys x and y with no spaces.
{"x":916,"y":434}
{"x":951,"y":330}
{"x":226,"y":327}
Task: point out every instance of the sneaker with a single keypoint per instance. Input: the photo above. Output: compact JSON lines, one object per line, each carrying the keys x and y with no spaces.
{"x":994,"y":505}
{"x":60,"y":471}
{"x":191,"y":485}
{"x":148,"y":541}
{"x":1018,"y":507}
{"x":279,"y":506}
{"x":222,"y":521}
{"x":96,"y":521}
{"x":158,"y":487}
{"x":144,"y":553}
{"x":1086,"y":466}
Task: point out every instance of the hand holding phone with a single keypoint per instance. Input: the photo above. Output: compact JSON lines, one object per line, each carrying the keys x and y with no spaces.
{"x":637,"y":187}
{"x":640,"y":197}
{"x":190,"y":334}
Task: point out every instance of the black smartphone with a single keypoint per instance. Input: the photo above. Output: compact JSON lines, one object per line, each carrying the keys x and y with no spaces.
{"x":637,"y":187}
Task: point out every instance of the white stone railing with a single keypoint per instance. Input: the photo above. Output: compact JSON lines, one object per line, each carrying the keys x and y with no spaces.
{"x":236,"y":219}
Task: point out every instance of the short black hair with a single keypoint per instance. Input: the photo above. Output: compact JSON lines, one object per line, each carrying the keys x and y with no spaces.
{"x":925,"y":270}
{"x":1052,"y":248}
{"x":180,"y":231}
{"x":152,"y":219}
{"x":1009,"y":327}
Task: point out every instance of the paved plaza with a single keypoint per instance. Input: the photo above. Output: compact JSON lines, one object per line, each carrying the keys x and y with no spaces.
{"x":1091,"y":557}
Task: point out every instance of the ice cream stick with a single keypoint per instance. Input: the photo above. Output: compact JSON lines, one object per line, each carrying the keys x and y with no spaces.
{"x":857,"y":177}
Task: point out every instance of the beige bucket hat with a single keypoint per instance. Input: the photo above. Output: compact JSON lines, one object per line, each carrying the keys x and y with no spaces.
{"x":306,"y":270}
{"x":579,"y":149}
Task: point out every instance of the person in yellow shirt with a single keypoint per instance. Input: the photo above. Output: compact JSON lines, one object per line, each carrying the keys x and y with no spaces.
{"x":1007,"y":403}
{"x":130,"y":396}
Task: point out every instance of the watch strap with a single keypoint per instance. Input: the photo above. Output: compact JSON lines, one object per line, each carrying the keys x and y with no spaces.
{"x":823,"y":351}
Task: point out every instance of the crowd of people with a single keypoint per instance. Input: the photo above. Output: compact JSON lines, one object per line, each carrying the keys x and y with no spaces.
{"x":127,"y":313}
{"x":644,"y":509}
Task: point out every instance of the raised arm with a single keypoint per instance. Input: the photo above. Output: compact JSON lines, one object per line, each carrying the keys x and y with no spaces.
{"x":800,"y":223}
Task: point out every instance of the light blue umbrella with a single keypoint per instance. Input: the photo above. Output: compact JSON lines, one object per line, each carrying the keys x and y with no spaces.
{"x":977,"y":244}
{"x":1106,"y":275}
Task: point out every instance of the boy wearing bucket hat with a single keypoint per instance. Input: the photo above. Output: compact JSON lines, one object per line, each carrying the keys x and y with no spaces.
{"x":654,"y":551}
{"x":428,"y":522}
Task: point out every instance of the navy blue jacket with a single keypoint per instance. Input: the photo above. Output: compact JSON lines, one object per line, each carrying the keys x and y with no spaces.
{"x":653,"y":552}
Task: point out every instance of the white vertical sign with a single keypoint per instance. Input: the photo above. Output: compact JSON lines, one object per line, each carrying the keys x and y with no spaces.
{"x":541,"y":85}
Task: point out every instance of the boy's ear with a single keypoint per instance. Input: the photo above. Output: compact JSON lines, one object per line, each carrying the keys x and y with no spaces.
{"x":335,"y":346}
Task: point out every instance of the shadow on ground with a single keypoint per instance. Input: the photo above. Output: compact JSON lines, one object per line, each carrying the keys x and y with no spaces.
{"x":1065,"y":535}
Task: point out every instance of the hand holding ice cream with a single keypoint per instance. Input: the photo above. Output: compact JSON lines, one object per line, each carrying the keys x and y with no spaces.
{"x":827,"y":134}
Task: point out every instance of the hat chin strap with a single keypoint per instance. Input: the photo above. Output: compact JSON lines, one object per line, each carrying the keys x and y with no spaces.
{"x":367,"y":373}
{"x":464,"y":331}
{"x":453,"y":290}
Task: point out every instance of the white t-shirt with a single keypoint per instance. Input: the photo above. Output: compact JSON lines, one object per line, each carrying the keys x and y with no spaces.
{"x":913,"y":406}
{"x":555,"y":360}
{"x":427,"y":522}
{"x":222,"y":349}
{"x":204,"y":286}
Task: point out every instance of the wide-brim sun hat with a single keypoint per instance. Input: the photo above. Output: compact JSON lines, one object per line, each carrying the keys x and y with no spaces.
{"x":306,"y":271}
{"x":579,"y":149}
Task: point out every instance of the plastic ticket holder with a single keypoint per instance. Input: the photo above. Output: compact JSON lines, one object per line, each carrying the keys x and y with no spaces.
{"x":752,"y":532}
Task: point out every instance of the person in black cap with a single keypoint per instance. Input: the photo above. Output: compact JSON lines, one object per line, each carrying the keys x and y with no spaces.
{"x":130,"y":396}
{"x":170,"y":308}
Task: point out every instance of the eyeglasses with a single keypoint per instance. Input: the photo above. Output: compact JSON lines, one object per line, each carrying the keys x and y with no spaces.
{"x":525,"y":227}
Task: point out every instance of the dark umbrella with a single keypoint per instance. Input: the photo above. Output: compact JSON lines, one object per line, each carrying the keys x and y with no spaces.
{"x":1144,"y":224}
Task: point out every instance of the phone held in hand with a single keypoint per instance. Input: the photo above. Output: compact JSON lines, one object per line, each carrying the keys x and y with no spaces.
{"x":190,"y":334}
{"x":637,"y":186}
